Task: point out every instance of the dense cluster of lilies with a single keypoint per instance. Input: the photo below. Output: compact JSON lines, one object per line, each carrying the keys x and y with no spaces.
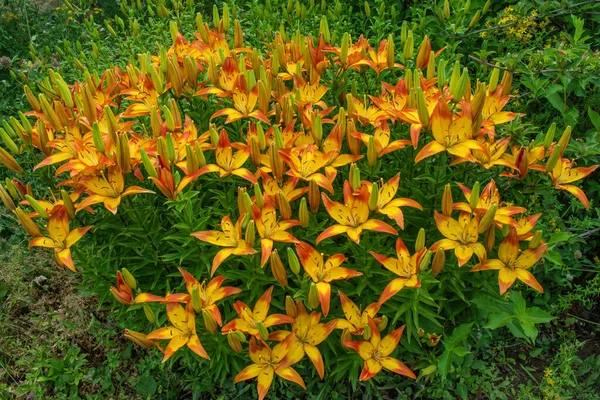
{"x":127,"y":124}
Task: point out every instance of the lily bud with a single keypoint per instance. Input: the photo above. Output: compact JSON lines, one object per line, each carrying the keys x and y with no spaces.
{"x":12,"y":146}
{"x":284,"y":206}
{"x":150,"y":316}
{"x":478,"y":101}
{"x":123,"y":155}
{"x":303,"y":216}
{"x":97,"y":138}
{"x":536,"y":240}
{"x":139,"y":339}
{"x":354,"y":177}
{"x":293,"y":261}
{"x":170,"y":147}
{"x":487,"y":6}
{"x":346,"y":336}
{"x":250,"y":233}
{"x":233,"y":340}
{"x":474,"y":198}
{"x":447,"y":202}
{"x":276,"y":162}
{"x":424,"y":52}
{"x":128,"y":278}
{"x":383,"y":324}
{"x":68,"y":202}
{"x":522,"y":162}
{"x":278,"y":269}
{"x":27,"y":223}
{"x":33,"y":102}
{"x":454,"y":78}
{"x":9,"y":162}
{"x":438,"y":262}
{"x":390,"y":56}
{"x":313,"y":296}
{"x":324,"y":29}
{"x":353,"y":142}
{"x":317,"y":129}
{"x":191,"y":161}
{"x":371,"y":152}
{"x":422,"y":109}
{"x":367,"y":332}
{"x":196,"y":300}
{"x":6,"y":199}
{"x":238,"y":35}
{"x":489,"y":240}
{"x":209,"y":321}
{"x":255,"y":154}
{"x":374,"y":197}
{"x":122,"y":293}
{"x":461,"y":86}
{"x":549,"y":138}
{"x":409,"y":47}
{"x":494,"y":77}
{"x":488,"y":219}
{"x":505,"y":230}
{"x":12,"y":189}
{"x":506,"y":83}
{"x":344,"y":48}
{"x":431,"y":65}
{"x":425,"y":261}
{"x":553,"y":159}
{"x":247,"y":202}
{"x":314,"y":196}
{"x":420,"y":242}
{"x":442,"y":78}
{"x":226,"y":17}
{"x":37,"y":207}
{"x":475,"y":19}
{"x":290,"y":307}
{"x":563,"y":142}
{"x":148,"y":166}
{"x":446,"y":9}
{"x":258,"y":196}
{"x":262,"y":331}
{"x":199,"y":155}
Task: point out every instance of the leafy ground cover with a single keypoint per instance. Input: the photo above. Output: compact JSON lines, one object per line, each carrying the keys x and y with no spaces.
{"x":62,"y":333}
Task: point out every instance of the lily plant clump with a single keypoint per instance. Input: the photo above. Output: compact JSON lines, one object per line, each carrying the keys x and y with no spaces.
{"x":313,"y":136}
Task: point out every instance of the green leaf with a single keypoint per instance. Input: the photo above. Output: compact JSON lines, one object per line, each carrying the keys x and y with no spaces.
{"x":529,"y":328}
{"x":498,"y":320}
{"x":461,"y":351}
{"x":537,"y":315}
{"x":445,"y":363}
{"x":595,"y":118}
{"x":462,"y":390}
{"x":554,"y":257}
{"x":146,"y":385}
{"x":518,"y":303}
{"x":460,"y":333}
{"x":556,"y":101}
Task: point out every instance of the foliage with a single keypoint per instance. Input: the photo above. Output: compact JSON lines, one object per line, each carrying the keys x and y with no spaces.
{"x":278,"y":120}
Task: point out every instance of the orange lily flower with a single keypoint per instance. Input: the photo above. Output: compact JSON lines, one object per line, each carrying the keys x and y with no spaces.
{"x":388,"y":205}
{"x":244,"y":102}
{"x":323,"y":272}
{"x":289,"y":190}
{"x":270,"y":230}
{"x":524,"y":159}
{"x":143,"y":96}
{"x":367,"y":114}
{"x":356,"y":320}
{"x":405,"y":266}
{"x":352,"y":216}
{"x":208,"y":294}
{"x":526,"y":225}
{"x":461,"y":235}
{"x":61,"y":238}
{"x":377,"y":61}
{"x":489,"y":196}
{"x":563,"y":174}
{"x":453,"y":136}
{"x":511,"y":265}
{"x":249,"y":320}
{"x":492,"y":156}
{"x":308,"y":333}
{"x":376,"y":353}
{"x":230,"y":237}
{"x":305,"y":164}
{"x":381,"y":137}
{"x":165,"y":182}
{"x":122,"y":293}
{"x":309,"y":93}
{"x":492,"y":113}
{"x":267,"y":363}
{"x":227,"y":78}
{"x":228,"y":163}
{"x":108,"y":190}
{"x":181,"y":333}
{"x":333,"y":143}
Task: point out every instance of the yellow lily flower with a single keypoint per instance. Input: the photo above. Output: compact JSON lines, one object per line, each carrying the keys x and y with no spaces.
{"x":461,"y":236}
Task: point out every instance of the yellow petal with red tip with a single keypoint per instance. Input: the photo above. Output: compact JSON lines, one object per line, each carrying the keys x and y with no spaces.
{"x":175,"y":344}
{"x":378,"y":226}
{"x":389,"y":343}
{"x":148,"y":298}
{"x":391,"y":364}
{"x":290,"y":374}
{"x":430,"y":149}
{"x":265,"y":378}
{"x":251,"y":371}
{"x":509,"y":248}
{"x":463,"y":254}
{"x":370,"y":369}
{"x":527,"y":277}
{"x":488,"y":265}
{"x":65,"y":257}
{"x":76,"y":234}
{"x":331,"y":231}
{"x":195,"y":345}
{"x":391,"y":289}
{"x":168,"y":332}
{"x":530,"y":256}
{"x":277,"y":319}
{"x":266,"y":249}
{"x":315,"y":356}
{"x":261,"y":308}
{"x":363,"y":348}
{"x":42,"y":241}
{"x":506,"y":278}
{"x":177,"y":316}
{"x":219,"y":258}
{"x":351,"y":311}
{"x":245,"y":174}
{"x":338,"y":273}
{"x":324,"y":290}
{"x":577,"y":192}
